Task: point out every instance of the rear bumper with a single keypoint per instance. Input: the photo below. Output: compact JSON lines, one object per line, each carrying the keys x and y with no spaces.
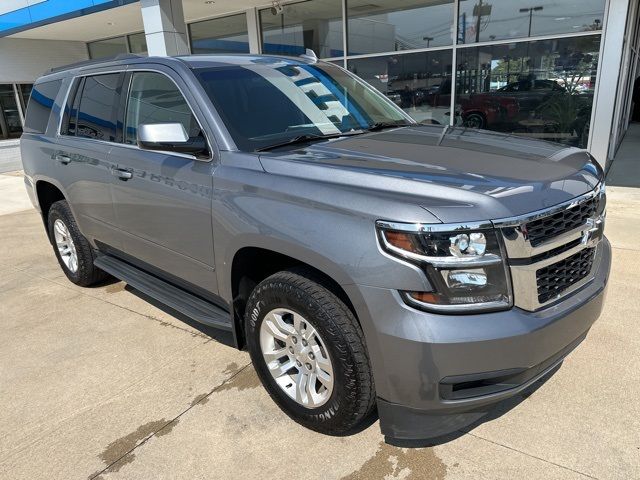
{"x":436,"y":374}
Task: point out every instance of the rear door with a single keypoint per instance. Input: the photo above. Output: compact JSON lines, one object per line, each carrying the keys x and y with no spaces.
{"x":87,"y":134}
{"x":162,"y":199}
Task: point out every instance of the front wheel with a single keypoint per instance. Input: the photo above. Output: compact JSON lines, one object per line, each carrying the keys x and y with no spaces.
{"x":309,"y":352}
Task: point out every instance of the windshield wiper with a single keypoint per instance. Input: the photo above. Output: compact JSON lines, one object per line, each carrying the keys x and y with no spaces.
{"x":382,"y":125}
{"x":302,"y":139}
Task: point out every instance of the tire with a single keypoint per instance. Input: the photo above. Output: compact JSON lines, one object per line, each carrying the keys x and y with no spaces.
{"x":475,"y":120}
{"x":339,"y":338}
{"x":81,"y":272}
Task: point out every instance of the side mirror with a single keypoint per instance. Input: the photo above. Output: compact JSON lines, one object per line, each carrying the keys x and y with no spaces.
{"x":170,"y":137}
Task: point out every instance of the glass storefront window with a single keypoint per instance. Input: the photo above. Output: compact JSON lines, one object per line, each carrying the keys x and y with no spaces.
{"x":24,"y":90}
{"x":10,"y":124}
{"x":488,"y":20}
{"x":542,"y":89}
{"x":420,"y":83}
{"x":138,"y":43}
{"x":107,"y":48}
{"x":315,"y":24}
{"x":220,"y":35}
{"x":400,"y":25}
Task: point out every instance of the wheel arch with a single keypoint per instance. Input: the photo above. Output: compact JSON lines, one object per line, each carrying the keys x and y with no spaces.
{"x":47,"y":193}
{"x":250,"y":264}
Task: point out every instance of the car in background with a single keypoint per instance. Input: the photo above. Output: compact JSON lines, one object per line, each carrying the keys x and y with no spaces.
{"x":477,"y":110}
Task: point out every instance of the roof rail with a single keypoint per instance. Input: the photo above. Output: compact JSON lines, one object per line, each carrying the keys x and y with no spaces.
{"x":121,"y":56}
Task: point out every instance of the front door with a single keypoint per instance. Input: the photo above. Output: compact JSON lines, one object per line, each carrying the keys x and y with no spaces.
{"x":162,"y":200}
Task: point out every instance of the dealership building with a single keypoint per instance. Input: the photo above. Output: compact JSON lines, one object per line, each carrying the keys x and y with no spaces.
{"x":559,"y":70}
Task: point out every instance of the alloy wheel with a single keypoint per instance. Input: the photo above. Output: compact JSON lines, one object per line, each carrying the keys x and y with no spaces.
{"x":297,"y":358}
{"x":65,"y":245}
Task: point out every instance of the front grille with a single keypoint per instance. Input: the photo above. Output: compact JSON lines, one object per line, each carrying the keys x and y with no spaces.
{"x":544,"y":229}
{"x":557,"y":277}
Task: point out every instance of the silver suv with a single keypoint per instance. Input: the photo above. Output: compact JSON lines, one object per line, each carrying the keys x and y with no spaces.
{"x":363,"y":259}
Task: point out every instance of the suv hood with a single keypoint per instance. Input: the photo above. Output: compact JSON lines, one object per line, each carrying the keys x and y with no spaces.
{"x":458,"y":175}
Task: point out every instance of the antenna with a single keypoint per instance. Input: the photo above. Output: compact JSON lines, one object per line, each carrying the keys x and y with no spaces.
{"x":310,"y":55}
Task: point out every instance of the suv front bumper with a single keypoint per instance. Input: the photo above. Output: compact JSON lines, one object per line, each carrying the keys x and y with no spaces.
{"x":436,"y":374}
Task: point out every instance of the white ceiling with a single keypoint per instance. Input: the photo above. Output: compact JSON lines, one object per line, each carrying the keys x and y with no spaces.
{"x":128,"y":19}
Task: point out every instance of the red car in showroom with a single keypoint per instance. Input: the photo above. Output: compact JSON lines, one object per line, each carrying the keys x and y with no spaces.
{"x":479,"y":110}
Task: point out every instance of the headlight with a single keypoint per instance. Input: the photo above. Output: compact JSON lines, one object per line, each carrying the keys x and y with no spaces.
{"x":465,"y":265}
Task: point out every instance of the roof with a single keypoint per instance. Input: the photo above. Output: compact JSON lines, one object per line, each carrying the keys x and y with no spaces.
{"x":192,"y":61}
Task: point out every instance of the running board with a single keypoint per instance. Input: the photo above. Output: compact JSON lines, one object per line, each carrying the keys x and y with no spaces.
{"x":184,"y":302}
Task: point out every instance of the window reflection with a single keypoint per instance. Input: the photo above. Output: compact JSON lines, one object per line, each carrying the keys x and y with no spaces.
{"x":314,"y":24}
{"x":138,"y":44}
{"x":541,"y":89}
{"x":417,"y":82}
{"x":488,"y":20}
{"x":107,"y":48}
{"x":400,"y":25}
{"x":220,"y":35}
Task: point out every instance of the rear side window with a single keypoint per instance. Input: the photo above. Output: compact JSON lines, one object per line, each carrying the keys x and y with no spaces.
{"x":154,"y":98}
{"x":43,"y":95}
{"x":97,"y":107}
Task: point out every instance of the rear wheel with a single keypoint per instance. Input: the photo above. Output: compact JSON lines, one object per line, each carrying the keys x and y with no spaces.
{"x":72,"y":249}
{"x":308,"y":350}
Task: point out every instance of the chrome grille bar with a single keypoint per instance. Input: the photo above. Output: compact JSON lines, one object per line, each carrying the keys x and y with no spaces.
{"x":527,"y":258}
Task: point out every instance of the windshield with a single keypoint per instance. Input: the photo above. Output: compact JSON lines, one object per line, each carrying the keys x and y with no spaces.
{"x":264,"y":105}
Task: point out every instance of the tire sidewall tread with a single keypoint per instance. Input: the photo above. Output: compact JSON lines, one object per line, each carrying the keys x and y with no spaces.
{"x":87,"y":273}
{"x":353,"y":396}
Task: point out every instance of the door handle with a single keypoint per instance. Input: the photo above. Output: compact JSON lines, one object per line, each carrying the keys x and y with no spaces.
{"x":122,"y":174}
{"x":63,"y":159}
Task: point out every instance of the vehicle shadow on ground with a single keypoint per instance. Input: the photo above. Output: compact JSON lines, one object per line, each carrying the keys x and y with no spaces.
{"x":220,"y":336}
{"x":226,"y":338}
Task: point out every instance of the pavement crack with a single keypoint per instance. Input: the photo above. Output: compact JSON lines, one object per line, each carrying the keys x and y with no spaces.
{"x":163,"y":323}
{"x":121,"y":452}
{"x":564,"y":467}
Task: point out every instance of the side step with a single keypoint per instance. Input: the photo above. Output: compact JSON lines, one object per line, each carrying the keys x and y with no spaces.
{"x":174,"y":297}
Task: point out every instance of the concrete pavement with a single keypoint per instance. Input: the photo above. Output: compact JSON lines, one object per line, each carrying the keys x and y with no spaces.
{"x":99,"y":383}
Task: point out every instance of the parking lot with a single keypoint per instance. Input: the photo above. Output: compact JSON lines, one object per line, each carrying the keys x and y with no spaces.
{"x":100,"y":383}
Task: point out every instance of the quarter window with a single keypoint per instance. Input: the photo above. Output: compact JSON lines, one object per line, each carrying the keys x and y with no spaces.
{"x":154,"y":98}
{"x":39,"y":107}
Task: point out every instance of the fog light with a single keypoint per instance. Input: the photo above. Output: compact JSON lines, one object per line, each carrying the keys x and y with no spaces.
{"x":465,"y":279}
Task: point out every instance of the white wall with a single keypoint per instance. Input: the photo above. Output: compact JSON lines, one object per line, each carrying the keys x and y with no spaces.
{"x":24,"y":60}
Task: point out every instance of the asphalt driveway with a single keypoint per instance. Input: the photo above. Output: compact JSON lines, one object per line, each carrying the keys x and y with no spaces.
{"x":99,"y":383}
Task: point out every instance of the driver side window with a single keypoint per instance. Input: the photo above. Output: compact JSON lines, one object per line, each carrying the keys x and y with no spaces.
{"x":154,"y":98}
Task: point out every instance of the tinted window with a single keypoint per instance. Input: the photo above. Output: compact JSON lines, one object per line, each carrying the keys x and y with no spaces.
{"x":220,"y":35}
{"x":419,"y":83}
{"x":266,"y":105}
{"x":301,"y":25}
{"x":98,"y":102}
{"x":138,"y":43}
{"x":70,"y":116}
{"x":154,"y":98}
{"x":107,"y":48}
{"x":482,"y":20}
{"x":399,"y":25}
{"x":541,"y":89}
{"x":39,"y":108}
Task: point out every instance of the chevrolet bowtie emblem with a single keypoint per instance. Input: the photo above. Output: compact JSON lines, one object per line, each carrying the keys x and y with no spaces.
{"x":594,"y":232}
